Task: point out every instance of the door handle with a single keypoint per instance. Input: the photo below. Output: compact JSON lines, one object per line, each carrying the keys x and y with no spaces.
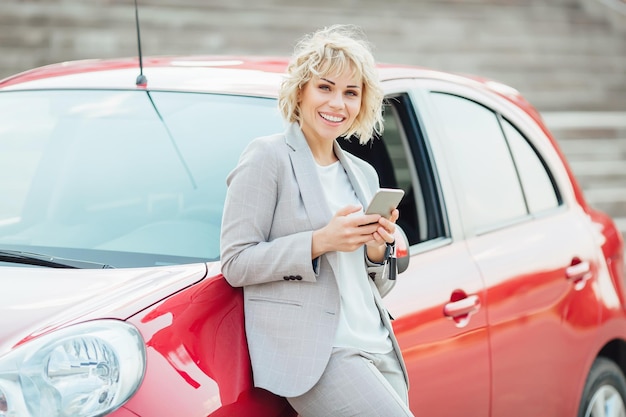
{"x":462,"y":307}
{"x":579,"y":273}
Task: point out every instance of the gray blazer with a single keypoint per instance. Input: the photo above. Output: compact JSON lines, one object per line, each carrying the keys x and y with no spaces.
{"x":273,"y":204}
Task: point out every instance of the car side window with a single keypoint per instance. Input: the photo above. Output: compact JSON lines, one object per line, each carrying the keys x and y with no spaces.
{"x":486,"y":174}
{"x":539,"y":187}
{"x":502,"y":176}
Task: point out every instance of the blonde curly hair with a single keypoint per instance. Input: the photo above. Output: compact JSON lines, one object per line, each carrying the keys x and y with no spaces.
{"x":331,"y":51}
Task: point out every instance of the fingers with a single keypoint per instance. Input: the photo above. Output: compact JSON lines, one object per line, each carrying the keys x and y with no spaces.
{"x":387,"y":227}
{"x":395,"y":214}
{"x":352,"y":231}
{"x":347,"y":210}
{"x":347,"y":232}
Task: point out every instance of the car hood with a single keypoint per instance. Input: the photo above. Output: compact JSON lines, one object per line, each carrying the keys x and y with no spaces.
{"x":38,"y":300}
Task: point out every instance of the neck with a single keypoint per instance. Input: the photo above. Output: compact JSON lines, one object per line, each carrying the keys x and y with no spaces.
{"x":322,"y":147}
{"x":323,"y":154}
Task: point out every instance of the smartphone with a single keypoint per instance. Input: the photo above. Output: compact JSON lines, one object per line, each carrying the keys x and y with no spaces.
{"x":384,"y":201}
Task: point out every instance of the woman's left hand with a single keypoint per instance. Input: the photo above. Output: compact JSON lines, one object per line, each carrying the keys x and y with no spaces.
{"x":383,"y":235}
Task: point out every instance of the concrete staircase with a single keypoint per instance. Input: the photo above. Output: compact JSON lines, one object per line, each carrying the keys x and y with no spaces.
{"x":557,"y":53}
{"x":595,"y":146}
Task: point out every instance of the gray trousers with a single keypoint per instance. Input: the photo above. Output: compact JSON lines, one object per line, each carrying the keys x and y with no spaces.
{"x":356,"y":384}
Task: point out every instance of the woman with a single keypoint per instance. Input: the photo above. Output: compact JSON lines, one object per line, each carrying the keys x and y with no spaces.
{"x":312,"y":264}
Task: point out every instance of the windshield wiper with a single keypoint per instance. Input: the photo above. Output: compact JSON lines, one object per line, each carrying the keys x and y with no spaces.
{"x":40,"y":259}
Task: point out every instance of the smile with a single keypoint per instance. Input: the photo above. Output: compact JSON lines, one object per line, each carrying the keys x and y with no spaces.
{"x":334,"y":119}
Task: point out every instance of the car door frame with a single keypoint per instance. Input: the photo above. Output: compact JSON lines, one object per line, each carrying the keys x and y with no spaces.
{"x":432,"y":342}
{"x":503,"y":397}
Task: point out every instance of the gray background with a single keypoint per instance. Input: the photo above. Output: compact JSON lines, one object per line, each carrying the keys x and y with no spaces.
{"x":568,"y":57}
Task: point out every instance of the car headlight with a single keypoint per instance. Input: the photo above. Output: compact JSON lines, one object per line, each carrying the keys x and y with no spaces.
{"x":85,"y":370}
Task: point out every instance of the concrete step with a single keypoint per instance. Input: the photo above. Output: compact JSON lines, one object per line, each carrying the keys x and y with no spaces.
{"x":596,"y":149}
{"x":565,"y":125}
{"x":591,"y":174}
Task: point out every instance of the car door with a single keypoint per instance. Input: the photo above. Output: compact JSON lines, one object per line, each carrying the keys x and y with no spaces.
{"x":533,"y":246}
{"x":438,"y":303}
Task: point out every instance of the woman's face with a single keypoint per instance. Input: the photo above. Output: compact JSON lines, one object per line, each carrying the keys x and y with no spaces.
{"x":329,"y":105}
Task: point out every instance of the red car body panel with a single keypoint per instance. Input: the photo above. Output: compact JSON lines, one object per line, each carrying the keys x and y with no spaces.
{"x":194,"y":331}
{"x":204,"y":361}
{"x":430,"y":344}
{"x":60,"y":297}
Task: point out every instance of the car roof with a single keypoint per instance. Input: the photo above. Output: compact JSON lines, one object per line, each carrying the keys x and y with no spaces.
{"x":244,"y":75}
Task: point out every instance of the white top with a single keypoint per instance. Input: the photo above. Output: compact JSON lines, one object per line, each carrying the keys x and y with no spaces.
{"x":360,"y":325}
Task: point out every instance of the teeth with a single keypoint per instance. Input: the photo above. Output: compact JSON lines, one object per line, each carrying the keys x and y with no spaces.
{"x":331,"y":118}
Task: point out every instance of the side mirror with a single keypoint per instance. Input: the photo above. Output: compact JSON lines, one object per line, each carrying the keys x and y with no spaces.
{"x":402,"y":250}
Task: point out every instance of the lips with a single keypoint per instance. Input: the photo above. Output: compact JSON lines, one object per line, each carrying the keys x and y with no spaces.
{"x":331,"y":118}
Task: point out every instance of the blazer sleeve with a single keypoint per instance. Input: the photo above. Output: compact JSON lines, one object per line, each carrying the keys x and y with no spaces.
{"x":248,"y":255}
{"x":379,"y":273}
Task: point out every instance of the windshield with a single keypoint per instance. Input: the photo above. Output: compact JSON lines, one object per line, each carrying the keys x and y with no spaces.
{"x":103,"y":177}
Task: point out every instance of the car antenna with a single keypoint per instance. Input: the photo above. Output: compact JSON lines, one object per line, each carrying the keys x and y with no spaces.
{"x":141,"y":79}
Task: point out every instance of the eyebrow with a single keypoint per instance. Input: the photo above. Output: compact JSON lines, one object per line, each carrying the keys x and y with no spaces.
{"x":333,"y":83}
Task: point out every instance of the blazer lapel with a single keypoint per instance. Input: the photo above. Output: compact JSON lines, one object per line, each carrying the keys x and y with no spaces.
{"x":309,"y":184}
{"x":358,"y":180}
{"x":305,"y":171}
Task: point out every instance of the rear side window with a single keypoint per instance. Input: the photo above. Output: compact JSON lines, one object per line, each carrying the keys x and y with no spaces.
{"x":538,"y":185}
{"x":500,"y":176}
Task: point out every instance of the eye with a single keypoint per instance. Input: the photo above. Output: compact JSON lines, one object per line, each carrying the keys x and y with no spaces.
{"x":352,"y":93}
{"x":324,"y":87}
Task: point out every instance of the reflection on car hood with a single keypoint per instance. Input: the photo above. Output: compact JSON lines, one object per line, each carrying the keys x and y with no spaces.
{"x":37,"y":300}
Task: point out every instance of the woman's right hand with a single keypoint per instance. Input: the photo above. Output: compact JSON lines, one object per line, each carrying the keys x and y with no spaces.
{"x":345,"y":232}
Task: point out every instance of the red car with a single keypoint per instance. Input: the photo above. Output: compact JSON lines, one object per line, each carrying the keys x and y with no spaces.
{"x":511,"y":302}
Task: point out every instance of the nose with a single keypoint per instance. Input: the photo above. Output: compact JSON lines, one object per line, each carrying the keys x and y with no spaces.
{"x":336,"y":100}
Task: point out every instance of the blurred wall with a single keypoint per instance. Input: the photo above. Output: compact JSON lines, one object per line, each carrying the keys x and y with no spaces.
{"x":561,"y":54}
